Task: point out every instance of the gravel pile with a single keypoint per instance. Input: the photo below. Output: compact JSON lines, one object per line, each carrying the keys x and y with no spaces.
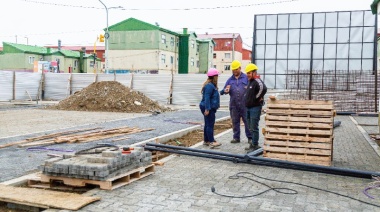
{"x":109,"y":96}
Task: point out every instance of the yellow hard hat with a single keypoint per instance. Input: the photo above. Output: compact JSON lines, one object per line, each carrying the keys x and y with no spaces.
{"x":250,"y":67}
{"x":235,"y":64}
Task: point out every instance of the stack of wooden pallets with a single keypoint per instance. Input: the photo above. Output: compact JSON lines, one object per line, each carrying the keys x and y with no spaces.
{"x":299,"y":131}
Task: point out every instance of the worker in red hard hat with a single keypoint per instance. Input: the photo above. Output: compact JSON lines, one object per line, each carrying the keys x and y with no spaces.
{"x":254,"y":101}
{"x":235,"y":86}
{"x":209,"y":104}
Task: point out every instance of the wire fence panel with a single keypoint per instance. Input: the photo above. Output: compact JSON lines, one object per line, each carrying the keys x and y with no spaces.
{"x":6,"y":85}
{"x":351,"y":91}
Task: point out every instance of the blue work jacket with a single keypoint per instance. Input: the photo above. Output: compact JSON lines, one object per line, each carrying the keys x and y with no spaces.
{"x":237,"y":90}
{"x":210,"y":97}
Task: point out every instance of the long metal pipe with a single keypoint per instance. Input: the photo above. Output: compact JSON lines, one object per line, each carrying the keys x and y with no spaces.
{"x":239,"y":160}
{"x":269,"y":161}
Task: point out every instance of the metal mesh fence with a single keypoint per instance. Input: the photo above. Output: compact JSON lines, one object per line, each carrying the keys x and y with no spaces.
{"x":351,"y":91}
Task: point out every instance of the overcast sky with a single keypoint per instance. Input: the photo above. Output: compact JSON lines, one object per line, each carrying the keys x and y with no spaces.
{"x":79,"y":22}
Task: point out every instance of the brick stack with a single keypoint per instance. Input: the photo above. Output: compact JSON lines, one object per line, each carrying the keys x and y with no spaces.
{"x":100,"y":166}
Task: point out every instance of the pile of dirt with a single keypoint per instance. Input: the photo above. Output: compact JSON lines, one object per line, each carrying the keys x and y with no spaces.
{"x":110,"y":96}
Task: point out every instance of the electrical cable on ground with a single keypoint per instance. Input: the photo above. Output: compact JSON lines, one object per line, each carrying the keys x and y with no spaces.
{"x":93,"y":150}
{"x":372,"y":185}
{"x":241,"y":175}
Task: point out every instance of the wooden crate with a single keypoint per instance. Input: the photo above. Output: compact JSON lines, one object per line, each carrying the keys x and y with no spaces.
{"x":115,"y":182}
{"x":299,"y":130}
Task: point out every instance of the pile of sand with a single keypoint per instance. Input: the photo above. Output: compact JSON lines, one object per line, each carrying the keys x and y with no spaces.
{"x":109,"y":96}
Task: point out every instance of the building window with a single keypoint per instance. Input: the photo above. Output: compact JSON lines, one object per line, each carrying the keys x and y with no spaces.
{"x":163,"y":38}
{"x":197,"y":63}
{"x":31,"y":60}
{"x":192,"y":44}
{"x":192,"y":61}
{"x":227,"y":43}
{"x":197,"y":48}
{"x":210,"y":49}
{"x":171,"y":59}
{"x":226,"y":67}
{"x":227,"y":55}
{"x":214,"y":55}
{"x":172,"y":41}
{"x":163,"y":58}
{"x":214,"y":66}
{"x":75,"y":63}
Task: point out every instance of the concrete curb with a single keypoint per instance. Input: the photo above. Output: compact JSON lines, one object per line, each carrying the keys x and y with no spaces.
{"x":373,"y":144}
{"x":165,"y":138}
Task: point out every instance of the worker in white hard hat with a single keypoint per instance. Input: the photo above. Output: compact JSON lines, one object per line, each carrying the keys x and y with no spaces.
{"x":254,"y":101}
{"x":235,"y":87}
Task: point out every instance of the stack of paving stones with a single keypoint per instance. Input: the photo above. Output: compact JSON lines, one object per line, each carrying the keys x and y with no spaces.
{"x":102,"y":166}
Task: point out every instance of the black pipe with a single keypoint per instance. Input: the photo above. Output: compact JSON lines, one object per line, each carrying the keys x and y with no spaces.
{"x":256,"y":152}
{"x":260,"y":163}
{"x":197,"y":150}
{"x":303,"y":166}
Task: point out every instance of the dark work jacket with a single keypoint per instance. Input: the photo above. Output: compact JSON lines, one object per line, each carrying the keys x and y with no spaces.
{"x":255,"y":92}
{"x":237,"y":91}
{"x":210,"y":97}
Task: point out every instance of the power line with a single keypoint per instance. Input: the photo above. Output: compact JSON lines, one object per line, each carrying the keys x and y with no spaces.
{"x":174,"y":9}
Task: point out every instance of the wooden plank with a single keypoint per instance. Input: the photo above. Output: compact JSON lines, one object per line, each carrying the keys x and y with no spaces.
{"x":300,"y":102}
{"x":299,"y":138}
{"x":299,"y":144}
{"x":324,"y":161}
{"x":297,"y":131}
{"x":44,"y":198}
{"x":109,"y":184}
{"x":307,"y":106}
{"x":299,"y":124}
{"x":300,"y":112}
{"x":299,"y":157}
{"x":298,"y":119}
{"x":297,"y":150}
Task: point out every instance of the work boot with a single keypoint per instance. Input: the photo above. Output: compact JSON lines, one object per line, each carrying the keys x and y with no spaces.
{"x":250,"y":140}
{"x":249,"y":147}
{"x":234,"y":141}
{"x":254,"y":148}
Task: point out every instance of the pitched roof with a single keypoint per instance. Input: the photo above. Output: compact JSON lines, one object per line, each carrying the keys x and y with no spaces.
{"x":78,"y":48}
{"x":216,"y":36}
{"x":43,"y":50}
{"x":374,"y":6}
{"x":30,"y":49}
{"x":132,"y":24}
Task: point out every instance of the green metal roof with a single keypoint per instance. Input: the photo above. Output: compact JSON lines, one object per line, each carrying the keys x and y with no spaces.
{"x":28,"y":48}
{"x":374,"y":6}
{"x":69,"y":53}
{"x":132,"y":24}
{"x":40,"y":50}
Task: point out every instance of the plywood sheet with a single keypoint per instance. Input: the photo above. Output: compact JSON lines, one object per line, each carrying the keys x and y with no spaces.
{"x":44,"y":198}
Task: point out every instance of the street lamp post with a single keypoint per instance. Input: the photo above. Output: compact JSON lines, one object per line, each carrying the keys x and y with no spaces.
{"x":106,"y":36}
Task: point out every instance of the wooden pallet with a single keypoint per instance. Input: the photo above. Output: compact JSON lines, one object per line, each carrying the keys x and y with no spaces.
{"x":43,"y":180}
{"x":299,"y":130}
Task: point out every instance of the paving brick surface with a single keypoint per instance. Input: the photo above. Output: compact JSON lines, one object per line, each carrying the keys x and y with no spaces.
{"x":184,"y":182}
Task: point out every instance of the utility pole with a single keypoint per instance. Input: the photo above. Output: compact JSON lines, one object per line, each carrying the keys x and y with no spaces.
{"x":233,"y":47}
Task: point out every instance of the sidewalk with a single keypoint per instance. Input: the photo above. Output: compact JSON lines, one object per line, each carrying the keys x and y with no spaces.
{"x":184,"y":182}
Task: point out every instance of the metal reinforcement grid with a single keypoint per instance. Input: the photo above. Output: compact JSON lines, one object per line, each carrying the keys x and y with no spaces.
{"x":351,"y":91}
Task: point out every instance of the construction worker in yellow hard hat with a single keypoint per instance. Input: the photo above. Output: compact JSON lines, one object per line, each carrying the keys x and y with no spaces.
{"x":236,"y":86}
{"x":254,"y":101}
